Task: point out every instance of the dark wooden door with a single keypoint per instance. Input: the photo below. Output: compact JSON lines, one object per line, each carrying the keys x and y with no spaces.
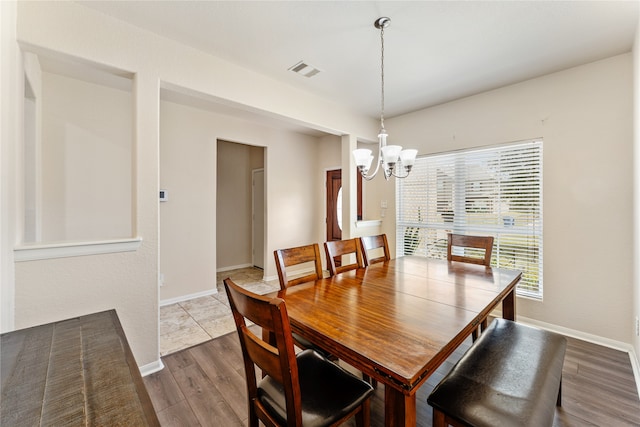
{"x":334,"y":185}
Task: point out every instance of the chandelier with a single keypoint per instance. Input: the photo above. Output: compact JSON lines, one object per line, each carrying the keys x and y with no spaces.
{"x":394,"y":160}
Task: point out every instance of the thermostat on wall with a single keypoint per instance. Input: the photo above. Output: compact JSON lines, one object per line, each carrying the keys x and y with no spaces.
{"x":164,"y":195}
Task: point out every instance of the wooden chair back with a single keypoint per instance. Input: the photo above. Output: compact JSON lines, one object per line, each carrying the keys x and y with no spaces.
{"x":297,"y":256}
{"x":484,"y":245}
{"x":279,"y":361}
{"x":338,"y":248}
{"x":371,"y":243}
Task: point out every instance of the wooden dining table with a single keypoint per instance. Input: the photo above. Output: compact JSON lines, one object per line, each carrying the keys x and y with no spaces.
{"x":397,"y":321}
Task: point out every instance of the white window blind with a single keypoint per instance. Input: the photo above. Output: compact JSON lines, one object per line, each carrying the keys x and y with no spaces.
{"x":494,"y":191}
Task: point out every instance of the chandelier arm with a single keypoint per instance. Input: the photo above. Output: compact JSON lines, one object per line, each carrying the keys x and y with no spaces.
{"x":400,"y":176}
{"x":367,"y":176}
{"x":407,"y":171}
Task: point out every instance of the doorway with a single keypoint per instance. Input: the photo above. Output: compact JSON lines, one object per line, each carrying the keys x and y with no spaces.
{"x":235,"y":206}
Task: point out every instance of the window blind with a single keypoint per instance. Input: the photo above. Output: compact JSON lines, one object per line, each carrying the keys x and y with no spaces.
{"x":493,"y":191}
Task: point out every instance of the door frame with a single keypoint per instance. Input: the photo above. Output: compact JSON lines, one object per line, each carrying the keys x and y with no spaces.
{"x":255,"y":218}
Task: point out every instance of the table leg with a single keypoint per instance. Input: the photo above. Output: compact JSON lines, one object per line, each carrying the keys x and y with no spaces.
{"x":509,"y":306}
{"x":399,"y":409}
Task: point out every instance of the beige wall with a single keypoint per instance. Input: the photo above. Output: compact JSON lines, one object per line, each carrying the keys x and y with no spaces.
{"x":329,"y":158}
{"x":294,"y":205}
{"x":86,"y":160}
{"x":635,"y":338}
{"x":585,"y":116}
{"x":187,"y":219}
{"x":206,"y":224}
{"x":12,"y":89}
{"x":58,"y":288}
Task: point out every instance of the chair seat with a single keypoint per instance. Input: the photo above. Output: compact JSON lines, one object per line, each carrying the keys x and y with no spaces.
{"x":328,"y":391}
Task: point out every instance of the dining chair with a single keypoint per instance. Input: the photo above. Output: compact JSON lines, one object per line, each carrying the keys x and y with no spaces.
{"x":373,"y":243}
{"x":295,"y":388}
{"x":481,"y":246}
{"x":298,"y":256}
{"x":338,"y":248}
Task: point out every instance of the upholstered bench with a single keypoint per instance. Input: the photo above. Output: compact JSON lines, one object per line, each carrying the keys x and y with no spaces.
{"x":510,"y":376}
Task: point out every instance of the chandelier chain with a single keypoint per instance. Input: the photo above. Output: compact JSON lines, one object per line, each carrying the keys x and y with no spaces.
{"x":382,"y":77}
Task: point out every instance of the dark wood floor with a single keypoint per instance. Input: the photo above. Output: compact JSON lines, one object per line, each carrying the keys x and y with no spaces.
{"x":205,"y":386}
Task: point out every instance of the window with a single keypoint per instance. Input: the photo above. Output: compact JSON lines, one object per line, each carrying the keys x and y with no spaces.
{"x":493,"y":191}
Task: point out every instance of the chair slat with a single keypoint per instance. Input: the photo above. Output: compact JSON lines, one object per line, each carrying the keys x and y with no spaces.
{"x":338,"y":248}
{"x":485,"y":243}
{"x":371,"y":243}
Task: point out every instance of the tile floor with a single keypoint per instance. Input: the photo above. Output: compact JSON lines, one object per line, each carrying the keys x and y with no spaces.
{"x":192,"y":322}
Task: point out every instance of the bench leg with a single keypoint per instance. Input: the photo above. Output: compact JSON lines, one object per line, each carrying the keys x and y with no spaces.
{"x":476,"y":332}
{"x":439,"y":419}
{"x":559,"y":400}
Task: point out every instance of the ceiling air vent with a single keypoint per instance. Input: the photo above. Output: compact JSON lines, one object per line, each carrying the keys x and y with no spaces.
{"x":304,"y":69}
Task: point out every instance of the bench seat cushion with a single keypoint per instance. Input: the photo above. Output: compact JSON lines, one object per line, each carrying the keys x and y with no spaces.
{"x":509,"y":377}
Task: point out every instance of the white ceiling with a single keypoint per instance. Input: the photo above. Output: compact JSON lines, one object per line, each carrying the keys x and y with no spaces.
{"x":435,"y":51}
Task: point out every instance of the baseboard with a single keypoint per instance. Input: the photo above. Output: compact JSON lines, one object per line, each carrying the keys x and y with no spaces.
{"x":635,"y":365}
{"x":233,"y":267}
{"x":595,"y":339}
{"x":270,"y":278}
{"x":152,"y":367}
{"x":188,"y":297}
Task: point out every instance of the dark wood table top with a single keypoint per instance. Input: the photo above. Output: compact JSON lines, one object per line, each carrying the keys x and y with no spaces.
{"x":397,"y":321}
{"x":78,"y":371}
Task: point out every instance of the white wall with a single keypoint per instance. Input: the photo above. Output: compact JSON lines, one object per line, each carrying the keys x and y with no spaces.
{"x":585,"y":116}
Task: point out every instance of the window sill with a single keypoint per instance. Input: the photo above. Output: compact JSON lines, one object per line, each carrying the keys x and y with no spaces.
{"x":34,"y":252}
{"x":369,"y":223}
